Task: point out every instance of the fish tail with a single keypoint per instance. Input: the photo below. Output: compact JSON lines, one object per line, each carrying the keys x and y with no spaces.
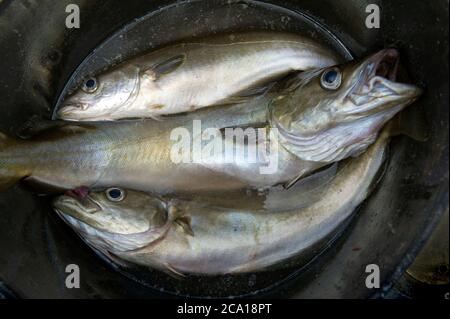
{"x":9,"y":173}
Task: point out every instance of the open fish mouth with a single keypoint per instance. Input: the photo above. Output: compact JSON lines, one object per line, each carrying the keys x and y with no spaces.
{"x":386,"y":64}
{"x":376,"y":88}
{"x":344,"y":121}
{"x":382,"y":68}
{"x":69,"y":110}
{"x":79,"y":225}
{"x":76,"y":202}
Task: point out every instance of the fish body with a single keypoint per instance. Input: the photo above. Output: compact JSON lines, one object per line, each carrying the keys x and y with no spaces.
{"x":316,"y":118}
{"x":183,"y":77}
{"x":137,"y":154}
{"x":198,"y":239}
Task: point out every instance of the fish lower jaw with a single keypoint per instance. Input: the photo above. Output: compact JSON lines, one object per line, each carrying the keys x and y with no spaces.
{"x":101,"y":239}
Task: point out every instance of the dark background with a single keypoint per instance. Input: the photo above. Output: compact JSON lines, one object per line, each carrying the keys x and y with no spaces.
{"x":38,"y":55}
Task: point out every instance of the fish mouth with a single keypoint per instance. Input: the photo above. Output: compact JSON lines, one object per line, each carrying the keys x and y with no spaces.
{"x":71,"y":211}
{"x":106,"y":241}
{"x":386,"y":64}
{"x":75,"y":214}
{"x":101,"y":239}
{"x":80,"y":205}
{"x":380,"y":67}
{"x":376,"y":88}
{"x":77,"y":224}
{"x":77,"y":204}
{"x":75,"y":211}
{"x":71,"y":111}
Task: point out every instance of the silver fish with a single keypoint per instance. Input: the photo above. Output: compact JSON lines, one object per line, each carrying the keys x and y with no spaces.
{"x":322,"y":116}
{"x":187,"y":76}
{"x":190,"y":238}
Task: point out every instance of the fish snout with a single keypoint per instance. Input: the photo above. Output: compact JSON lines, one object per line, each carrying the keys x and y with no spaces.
{"x":72,"y":111}
{"x":409,"y":92}
{"x":76,"y":203}
{"x":378,"y":80}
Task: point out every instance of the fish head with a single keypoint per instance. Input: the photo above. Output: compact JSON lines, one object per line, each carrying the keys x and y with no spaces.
{"x":325,"y":115}
{"x":115,"y":219}
{"x":99,"y":97}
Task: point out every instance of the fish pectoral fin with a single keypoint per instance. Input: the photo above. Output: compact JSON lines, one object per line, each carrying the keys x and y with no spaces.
{"x":184,"y":222}
{"x":293,"y":181}
{"x":164,"y":67}
{"x":172,"y":272}
{"x":180,"y":218}
{"x":302,"y":175}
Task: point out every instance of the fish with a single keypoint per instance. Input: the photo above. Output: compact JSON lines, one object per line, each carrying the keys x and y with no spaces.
{"x":183,"y":77}
{"x":190,"y":238}
{"x":313,"y":119}
{"x":130,"y":153}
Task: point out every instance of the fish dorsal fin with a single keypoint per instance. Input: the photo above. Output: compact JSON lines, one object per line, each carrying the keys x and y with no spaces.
{"x":164,"y":67}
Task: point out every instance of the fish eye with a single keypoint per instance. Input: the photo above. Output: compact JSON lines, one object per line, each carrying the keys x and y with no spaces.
{"x":90,"y":85}
{"x":331,"y":79}
{"x":115,"y":194}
